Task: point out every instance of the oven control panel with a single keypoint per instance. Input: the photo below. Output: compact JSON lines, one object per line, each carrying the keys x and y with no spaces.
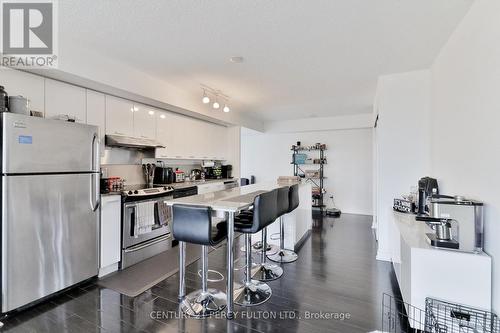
{"x":148,"y":191}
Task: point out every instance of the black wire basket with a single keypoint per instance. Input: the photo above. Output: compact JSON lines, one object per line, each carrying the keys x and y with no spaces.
{"x":438,"y":317}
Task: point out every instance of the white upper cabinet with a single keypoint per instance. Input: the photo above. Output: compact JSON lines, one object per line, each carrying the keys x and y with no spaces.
{"x":28,"y":85}
{"x":189,"y":138}
{"x":65,"y":99}
{"x":119,"y":116}
{"x":220,"y":142}
{"x":164,"y":134}
{"x":96,"y":113}
{"x":144,"y":122}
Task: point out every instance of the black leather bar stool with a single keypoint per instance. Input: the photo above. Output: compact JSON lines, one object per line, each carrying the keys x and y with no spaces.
{"x":254,"y":292}
{"x":193,"y":224}
{"x":267,"y":271}
{"x":285,"y":255}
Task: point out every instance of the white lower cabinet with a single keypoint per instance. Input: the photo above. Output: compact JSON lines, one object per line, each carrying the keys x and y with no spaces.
{"x":110,"y":234}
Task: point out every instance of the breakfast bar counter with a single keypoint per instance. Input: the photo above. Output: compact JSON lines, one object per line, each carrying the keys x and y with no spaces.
{"x":231,"y":202}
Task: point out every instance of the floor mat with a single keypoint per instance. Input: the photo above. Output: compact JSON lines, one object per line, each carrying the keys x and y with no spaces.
{"x":138,"y":278}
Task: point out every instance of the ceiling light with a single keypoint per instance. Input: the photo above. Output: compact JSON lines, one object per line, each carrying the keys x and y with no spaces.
{"x":205,"y":98}
{"x":236,"y":60}
{"x":162,"y":116}
{"x":226,"y":108}
{"x":216,"y":104}
{"x":151,"y":113}
{"x":134,"y":109}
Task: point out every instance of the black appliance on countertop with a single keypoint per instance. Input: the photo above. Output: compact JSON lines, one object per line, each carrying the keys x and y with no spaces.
{"x":163,"y":175}
{"x":227,"y":171}
{"x":427,"y":187}
{"x":213,"y":172}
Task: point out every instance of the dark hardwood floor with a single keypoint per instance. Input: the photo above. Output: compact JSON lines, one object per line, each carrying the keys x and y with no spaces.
{"x":336,"y":273}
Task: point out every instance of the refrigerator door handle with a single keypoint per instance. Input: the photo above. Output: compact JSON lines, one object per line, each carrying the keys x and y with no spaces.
{"x":95,"y":200}
{"x":95,"y":197}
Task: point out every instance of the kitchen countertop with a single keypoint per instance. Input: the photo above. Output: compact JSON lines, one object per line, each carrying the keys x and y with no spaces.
{"x":201,"y":182}
{"x":185,"y":184}
{"x":230,"y":200}
{"x":412,"y":231}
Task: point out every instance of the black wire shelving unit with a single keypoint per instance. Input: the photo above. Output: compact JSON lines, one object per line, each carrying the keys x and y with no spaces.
{"x":301,"y":170}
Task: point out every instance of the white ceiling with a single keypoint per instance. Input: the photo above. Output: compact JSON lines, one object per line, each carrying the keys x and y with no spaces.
{"x":303,"y":58}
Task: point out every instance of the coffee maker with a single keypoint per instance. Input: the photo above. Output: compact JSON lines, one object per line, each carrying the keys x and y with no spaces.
{"x":468,"y":217}
{"x":227,"y":171}
{"x":427,"y":187}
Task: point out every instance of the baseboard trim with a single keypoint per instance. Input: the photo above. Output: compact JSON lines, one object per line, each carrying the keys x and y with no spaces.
{"x":384,"y":256}
{"x":301,"y":241}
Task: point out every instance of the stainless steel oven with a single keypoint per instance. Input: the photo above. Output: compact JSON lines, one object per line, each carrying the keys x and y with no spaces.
{"x":140,"y":244}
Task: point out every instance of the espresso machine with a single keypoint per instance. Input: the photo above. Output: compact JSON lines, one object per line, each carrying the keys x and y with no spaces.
{"x":468,"y":215}
{"x":457,"y":222}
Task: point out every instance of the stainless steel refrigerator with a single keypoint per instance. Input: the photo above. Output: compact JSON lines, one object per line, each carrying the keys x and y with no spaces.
{"x":50,"y":199}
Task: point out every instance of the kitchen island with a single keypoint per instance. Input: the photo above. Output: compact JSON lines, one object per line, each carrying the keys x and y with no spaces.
{"x":231,"y":202}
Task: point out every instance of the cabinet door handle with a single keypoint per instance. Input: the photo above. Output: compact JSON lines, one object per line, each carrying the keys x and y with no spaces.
{"x":119,"y":133}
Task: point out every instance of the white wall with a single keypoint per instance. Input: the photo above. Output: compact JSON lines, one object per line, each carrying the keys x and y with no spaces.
{"x":402,"y":146}
{"x":465,"y":119}
{"x":349,"y":155}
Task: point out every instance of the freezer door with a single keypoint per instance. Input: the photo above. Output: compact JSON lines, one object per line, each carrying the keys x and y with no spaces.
{"x":37,"y":145}
{"x":49,"y":235}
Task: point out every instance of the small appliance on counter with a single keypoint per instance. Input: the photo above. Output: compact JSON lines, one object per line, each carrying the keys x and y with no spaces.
{"x":180,"y":176}
{"x":112,"y":184}
{"x":442,"y":235}
{"x":163,"y":175}
{"x":195,"y":174}
{"x":214,"y":172}
{"x":427,"y":187}
{"x":468,"y":215}
{"x":227,"y":171}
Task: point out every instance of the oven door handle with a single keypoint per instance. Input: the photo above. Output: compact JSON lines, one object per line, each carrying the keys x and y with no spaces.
{"x":131,"y":210}
{"x":142,"y":246}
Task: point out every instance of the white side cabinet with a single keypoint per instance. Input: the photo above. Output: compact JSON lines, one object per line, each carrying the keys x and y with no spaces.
{"x":65,"y":99}
{"x":28,"y":85}
{"x":96,"y":114}
{"x":110,"y":234}
{"x":119,"y":116}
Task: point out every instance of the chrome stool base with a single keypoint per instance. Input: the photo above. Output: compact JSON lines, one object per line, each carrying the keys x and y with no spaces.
{"x":283,"y":256}
{"x":199,"y":304}
{"x":257,"y":248}
{"x":266,"y":272}
{"x":252,"y":294}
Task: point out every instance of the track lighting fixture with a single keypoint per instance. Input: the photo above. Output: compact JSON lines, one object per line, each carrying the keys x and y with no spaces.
{"x":216,"y":95}
{"x":205,"y":98}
